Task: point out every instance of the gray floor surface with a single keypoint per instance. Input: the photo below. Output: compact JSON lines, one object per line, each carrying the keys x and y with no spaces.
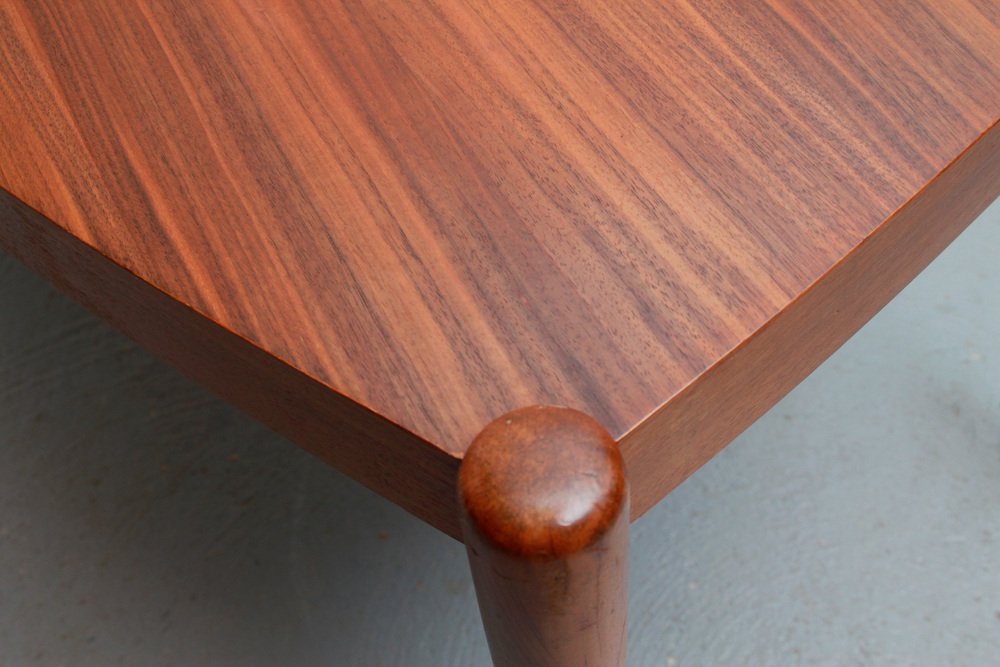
{"x":144,"y":522}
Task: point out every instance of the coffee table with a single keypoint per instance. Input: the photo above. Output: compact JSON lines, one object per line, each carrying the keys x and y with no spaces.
{"x":520,"y":268}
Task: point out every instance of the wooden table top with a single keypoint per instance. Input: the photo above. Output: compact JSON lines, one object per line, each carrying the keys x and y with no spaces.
{"x":401,"y":220}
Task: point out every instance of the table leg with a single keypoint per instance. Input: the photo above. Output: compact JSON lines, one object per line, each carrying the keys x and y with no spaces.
{"x":544,"y":509}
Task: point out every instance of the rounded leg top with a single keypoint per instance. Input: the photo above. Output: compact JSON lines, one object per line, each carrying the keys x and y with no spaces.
{"x":542,"y":481}
{"x":544,"y":510}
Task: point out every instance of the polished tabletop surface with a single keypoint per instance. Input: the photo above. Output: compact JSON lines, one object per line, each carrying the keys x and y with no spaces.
{"x":446,"y":210}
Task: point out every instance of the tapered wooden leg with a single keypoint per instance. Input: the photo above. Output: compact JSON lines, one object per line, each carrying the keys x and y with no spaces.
{"x":544,"y":507}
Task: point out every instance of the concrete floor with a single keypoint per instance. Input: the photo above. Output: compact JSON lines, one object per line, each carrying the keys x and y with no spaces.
{"x":144,"y":522}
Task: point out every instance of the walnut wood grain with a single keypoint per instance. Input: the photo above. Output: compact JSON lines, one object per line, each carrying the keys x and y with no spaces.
{"x":544,"y":506}
{"x":416,"y":216}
